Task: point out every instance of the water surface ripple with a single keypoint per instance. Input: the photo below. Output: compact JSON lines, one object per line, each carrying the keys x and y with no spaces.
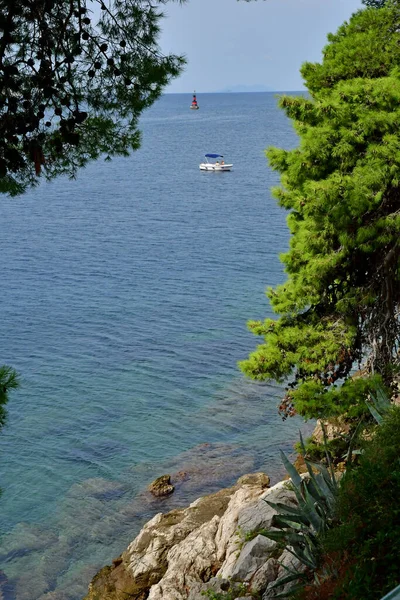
{"x":124,"y":301}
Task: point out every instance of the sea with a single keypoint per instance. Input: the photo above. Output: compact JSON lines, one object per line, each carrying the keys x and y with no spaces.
{"x":125,"y":295}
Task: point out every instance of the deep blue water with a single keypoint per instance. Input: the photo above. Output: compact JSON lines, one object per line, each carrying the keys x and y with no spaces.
{"x":124,"y":301}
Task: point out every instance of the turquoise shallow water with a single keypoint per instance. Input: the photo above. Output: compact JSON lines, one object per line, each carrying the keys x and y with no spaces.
{"x":124,"y":301}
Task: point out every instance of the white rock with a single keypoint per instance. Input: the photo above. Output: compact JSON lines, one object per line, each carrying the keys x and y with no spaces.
{"x":246,"y":514}
{"x":265,"y":574}
{"x":253,"y":555}
{"x":259,"y":515}
{"x":188,"y":562}
{"x":229,"y":536}
{"x":181,"y":554}
{"x":287,"y":564}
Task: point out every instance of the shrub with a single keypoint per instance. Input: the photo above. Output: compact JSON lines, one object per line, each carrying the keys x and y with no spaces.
{"x":364,"y":547}
{"x":235,"y":591}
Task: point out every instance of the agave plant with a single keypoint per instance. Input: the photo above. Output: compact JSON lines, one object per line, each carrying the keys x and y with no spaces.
{"x":378,"y":404}
{"x":300,"y":527}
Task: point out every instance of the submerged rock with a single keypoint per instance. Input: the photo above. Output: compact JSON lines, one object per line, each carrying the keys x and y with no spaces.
{"x":24,"y":539}
{"x":97,"y":487}
{"x":207,"y":468}
{"x":7,"y":591}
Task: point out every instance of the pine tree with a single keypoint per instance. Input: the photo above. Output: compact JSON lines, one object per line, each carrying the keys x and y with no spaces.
{"x":374,"y":3}
{"x":75,"y":76}
{"x":339,"y":305}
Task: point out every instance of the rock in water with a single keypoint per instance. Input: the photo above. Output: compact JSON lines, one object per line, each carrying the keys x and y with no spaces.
{"x":161,"y":486}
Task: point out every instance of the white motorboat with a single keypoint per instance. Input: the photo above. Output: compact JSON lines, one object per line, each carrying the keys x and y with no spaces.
{"x":216,"y":163}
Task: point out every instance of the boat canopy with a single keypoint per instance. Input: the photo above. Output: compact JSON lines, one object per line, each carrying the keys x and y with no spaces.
{"x":214,"y":155}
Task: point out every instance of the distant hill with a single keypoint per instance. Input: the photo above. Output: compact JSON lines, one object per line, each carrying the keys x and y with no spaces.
{"x":246,"y":88}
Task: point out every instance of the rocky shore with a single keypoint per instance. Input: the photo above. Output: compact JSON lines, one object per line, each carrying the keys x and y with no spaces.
{"x":213,"y":544}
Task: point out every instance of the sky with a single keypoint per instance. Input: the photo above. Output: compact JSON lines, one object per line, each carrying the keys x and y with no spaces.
{"x":235,"y":45}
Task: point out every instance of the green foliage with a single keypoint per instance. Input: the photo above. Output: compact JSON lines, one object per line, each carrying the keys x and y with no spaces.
{"x":8,"y":381}
{"x":250,"y":535}
{"x":235,"y":591}
{"x":367,"y":540}
{"x":315,"y":400}
{"x":339,"y":304}
{"x":74,"y":78}
{"x":315,"y":451}
{"x":343,"y":443}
